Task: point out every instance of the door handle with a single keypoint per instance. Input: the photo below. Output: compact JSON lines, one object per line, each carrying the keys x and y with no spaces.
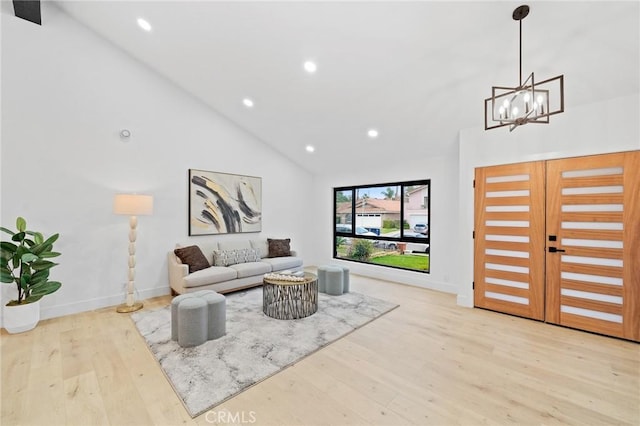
{"x":555,"y":249}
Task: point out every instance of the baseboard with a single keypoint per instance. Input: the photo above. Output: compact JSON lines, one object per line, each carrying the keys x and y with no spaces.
{"x":98,"y":303}
{"x":416,"y":279}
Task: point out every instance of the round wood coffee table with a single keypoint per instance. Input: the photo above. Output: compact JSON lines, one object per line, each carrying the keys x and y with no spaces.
{"x":290,"y":299}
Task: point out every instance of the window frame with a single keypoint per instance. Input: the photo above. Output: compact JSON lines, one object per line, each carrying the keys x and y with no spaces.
{"x":401,"y":238}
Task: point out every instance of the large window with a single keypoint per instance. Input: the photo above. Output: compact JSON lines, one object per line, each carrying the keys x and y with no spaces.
{"x":383,"y":224}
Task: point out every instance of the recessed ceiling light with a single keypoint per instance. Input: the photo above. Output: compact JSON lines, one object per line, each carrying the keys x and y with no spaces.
{"x":247,"y":102}
{"x":372,"y":133}
{"x":310,"y":148}
{"x":310,"y":67}
{"x":144,"y":24}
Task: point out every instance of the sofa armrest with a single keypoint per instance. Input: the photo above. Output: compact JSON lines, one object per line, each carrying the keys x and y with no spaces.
{"x":177,"y":272}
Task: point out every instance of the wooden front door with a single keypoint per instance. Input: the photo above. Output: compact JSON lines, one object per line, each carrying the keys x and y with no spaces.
{"x":559,"y":241}
{"x":509,"y":239}
{"x":593,"y":262}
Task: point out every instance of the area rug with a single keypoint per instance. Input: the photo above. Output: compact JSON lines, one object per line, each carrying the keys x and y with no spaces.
{"x":255,"y":346}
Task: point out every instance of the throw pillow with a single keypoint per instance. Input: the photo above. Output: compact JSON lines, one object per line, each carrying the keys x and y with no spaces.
{"x":232,"y":257}
{"x":225,"y":257}
{"x":279,"y":248}
{"x":192,"y":256}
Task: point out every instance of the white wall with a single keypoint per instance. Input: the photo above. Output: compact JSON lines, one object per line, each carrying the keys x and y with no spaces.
{"x":443,"y":232}
{"x":66,"y":94}
{"x":604,"y":127}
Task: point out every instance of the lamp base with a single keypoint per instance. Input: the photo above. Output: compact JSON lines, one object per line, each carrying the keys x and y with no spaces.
{"x":125,"y":309}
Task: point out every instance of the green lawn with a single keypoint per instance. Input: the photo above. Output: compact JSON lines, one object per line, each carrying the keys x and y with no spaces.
{"x":408,"y":261}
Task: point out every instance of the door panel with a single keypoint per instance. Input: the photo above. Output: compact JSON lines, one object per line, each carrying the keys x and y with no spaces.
{"x":593,"y":209}
{"x":509,"y":239}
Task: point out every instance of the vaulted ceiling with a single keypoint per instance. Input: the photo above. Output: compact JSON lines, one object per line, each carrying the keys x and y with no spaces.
{"x":415,"y":71}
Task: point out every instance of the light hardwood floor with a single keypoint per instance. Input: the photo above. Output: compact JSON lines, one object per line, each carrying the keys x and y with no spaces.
{"x":428,"y":362}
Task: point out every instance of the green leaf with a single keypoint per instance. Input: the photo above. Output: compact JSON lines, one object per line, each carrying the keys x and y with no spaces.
{"x":24,"y":282}
{"x":38,"y":238}
{"x":29,"y":242}
{"x":48,"y":288}
{"x":5,"y":276}
{"x":29,"y":257}
{"x":39,"y":276}
{"x":21,"y":224}
{"x":47,"y":254}
{"x":8,"y":231}
{"x":45,"y":245}
{"x":10,"y":247}
{"x":18,"y":237}
{"x":40,"y":265}
{"x":32,"y":298}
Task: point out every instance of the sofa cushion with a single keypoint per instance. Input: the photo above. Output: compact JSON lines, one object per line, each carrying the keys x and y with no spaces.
{"x":250,"y":269}
{"x":192,"y":256}
{"x":279,"y":248}
{"x":234,"y":245}
{"x":282,"y":263}
{"x":261,"y":245}
{"x":211,"y":275}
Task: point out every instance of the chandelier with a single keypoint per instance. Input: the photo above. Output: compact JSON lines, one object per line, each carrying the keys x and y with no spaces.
{"x":529,"y":102}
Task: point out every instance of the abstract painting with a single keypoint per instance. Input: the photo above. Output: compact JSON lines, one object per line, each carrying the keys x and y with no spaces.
{"x":222,"y":203}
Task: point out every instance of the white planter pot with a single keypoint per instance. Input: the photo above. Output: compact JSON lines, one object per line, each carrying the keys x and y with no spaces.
{"x":20,"y":318}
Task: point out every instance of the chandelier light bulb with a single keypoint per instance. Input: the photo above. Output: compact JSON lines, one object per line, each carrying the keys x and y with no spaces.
{"x":527,"y":96}
{"x":540,"y":99}
{"x":506,"y":104}
{"x":514,"y":111}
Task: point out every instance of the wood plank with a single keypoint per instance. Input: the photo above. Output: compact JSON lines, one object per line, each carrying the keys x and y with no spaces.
{"x":512,"y":291}
{"x":508,"y":201}
{"x":591,"y":324}
{"x":518,"y":185}
{"x":507,"y":216}
{"x":603,"y":271}
{"x":591,"y":217}
{"x":588,"y":181}
{"x":507,"y":245}
{"x":507,"y":260}
{"x":590,"y":234}
{"x":507,"y":275}
{"x":598,"y":252}
{"x":574,"y":199}
{"x":594,"y":305}
{"x":610,"y":290}
{"x":506,"y":230}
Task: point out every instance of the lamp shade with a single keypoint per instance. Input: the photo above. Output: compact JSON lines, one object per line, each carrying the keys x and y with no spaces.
{"x":133,"y":204}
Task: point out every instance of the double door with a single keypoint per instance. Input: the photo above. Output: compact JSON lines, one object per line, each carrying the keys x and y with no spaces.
{"x":559,"y":241}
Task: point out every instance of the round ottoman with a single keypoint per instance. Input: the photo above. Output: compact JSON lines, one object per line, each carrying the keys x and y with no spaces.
{"x":333,"y":283}
{"x":216,"y":314}
{"x":192,"y":322}
{"x":174,"y":313}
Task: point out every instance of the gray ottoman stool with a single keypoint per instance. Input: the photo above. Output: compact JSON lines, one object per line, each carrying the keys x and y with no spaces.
{"x":216,"y":315}
{"x":197,"y":317}
{"x":192,"y":322}
{"x":174,"y":313}
{"x":333,"y":283}
{"x":345,"y":278}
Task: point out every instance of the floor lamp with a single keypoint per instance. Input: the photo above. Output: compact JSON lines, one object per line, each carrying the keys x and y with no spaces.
{"x":132,"y":205}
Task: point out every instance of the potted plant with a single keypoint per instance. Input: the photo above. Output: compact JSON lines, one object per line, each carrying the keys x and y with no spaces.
{"x":23,"y":262}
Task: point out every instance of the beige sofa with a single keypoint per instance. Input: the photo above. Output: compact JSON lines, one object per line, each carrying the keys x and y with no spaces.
{"x":224,"y":279}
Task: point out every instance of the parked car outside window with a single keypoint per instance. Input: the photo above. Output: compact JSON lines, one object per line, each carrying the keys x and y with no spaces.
{"x":421,"y":228}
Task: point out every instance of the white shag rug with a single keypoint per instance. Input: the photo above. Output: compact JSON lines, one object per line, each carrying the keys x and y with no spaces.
{"x":255,"y":346}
